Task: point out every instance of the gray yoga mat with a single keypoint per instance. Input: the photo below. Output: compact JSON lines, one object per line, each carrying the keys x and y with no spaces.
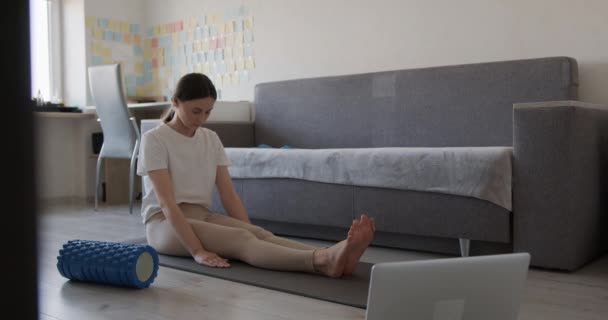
{"x":351,"y":291}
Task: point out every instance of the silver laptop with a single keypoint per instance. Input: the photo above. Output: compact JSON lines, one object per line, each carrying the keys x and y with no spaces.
{"x":472,"y":288}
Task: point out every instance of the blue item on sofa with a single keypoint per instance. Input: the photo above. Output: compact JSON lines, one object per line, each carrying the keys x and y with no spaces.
{"x":265,"y":146}
{"x":118,"y":264}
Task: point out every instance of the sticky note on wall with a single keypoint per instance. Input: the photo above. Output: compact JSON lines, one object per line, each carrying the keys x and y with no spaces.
{"x":248,"y":23}
{"x":98,"y":34}
{"x":250,"y":64}
{"x":90,"y":22}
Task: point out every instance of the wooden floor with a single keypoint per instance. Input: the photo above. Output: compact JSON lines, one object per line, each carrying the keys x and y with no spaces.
{"x":182,"y":295}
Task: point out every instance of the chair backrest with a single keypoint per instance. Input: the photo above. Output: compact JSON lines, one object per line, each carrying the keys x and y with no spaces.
{"x":119,"y":134}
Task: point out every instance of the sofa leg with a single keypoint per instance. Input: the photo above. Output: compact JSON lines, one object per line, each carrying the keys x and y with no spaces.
{"x":464,"y":246}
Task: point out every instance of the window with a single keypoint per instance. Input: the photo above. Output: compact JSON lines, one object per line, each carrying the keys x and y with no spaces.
{"x":45,"y":49}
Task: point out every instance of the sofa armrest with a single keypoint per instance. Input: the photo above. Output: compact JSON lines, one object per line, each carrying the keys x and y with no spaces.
{"x":234,"y":134}
{"x":560,"y":170}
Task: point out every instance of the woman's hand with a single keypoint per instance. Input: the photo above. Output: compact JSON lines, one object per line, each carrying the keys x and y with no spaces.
{"x":210,"y":259}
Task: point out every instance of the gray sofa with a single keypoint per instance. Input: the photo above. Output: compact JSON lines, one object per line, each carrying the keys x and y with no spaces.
{"x":559,"y":158}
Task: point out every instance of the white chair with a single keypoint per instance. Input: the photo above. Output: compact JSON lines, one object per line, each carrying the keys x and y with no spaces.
{"x":120,"y":133}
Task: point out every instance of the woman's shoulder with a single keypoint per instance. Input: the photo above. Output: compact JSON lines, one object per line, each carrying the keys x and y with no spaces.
{"x":206,"y":132}
{"x":156,"y":133}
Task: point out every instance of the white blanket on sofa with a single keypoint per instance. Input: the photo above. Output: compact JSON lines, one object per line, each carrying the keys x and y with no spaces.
{"x":479,"y":172}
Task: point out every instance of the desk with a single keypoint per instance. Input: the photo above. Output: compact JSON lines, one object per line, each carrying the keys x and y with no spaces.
{"x":157,"y":106}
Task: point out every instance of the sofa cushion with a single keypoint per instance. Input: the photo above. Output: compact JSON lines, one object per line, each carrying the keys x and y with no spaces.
{"x":479,"y":172}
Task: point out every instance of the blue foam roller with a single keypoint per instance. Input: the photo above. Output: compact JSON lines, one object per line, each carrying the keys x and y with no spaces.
{"x":119,"y":264}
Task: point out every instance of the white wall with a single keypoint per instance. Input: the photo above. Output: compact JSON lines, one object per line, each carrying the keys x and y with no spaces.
{"x":74,"y":54}
{"x":127,"y":10}
{"x":299,"y":39}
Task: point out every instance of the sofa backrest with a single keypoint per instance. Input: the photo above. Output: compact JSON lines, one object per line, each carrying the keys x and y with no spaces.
{"x":460,"y":105}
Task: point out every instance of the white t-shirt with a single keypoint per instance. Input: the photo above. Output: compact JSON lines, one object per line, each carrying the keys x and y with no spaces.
{"x":192,"y":163}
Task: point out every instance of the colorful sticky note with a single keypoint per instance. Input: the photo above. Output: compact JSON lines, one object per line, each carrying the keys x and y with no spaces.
{"x":90,"y":22}
{"x":98,"y":34}
{"x":220,"y":29}
{"x":128,"y":38}
{"x":154,"y":43}
{"x":117,"y":36}
{"x":219,"y":55}
{"x":131,"y":79}
{"x":210,"y":56}
{"x":107,"y":60}
{"x":201,"y":57}
{"x":140,"y":91}
{"x":229,"y":40}
{"x":238,"y":51}
{"x":108,"y":35}
{"x":238,"y":38}
{"x":234,"y":78}
{"x":134,"y":28}
{"x":248,"y":23}
{"x":148,"y":77}
{"x":218,"y":81}
{"x":228,"y":54}
{"x":180,"y":25}
{"x":112,"y":25}
{"x":238,"y":26}
{"x":139,"y":67}
{"x":213,"y":31}
{"x":229,"y":27}
{"x":97,"y":60}
{"x":206,"y":68}
{"x":213,"y":43}
{"x":205,"y":45}
{"x":206,"y":32}
{"x":222,"y":67}
{"x":137,"y":39}
{"x":230,"y":66}
{"x":240,"y":64}
{"x":248,"y":35}
{"x":250,"y":63}
{"x":244,"y":75}
{"x":131,"y":91}
{"x":124,"y":27}
{"x":150,"y":32}
{"x":221,"y":42}
{"x":248,"y":50}
{"x":102,"y":23}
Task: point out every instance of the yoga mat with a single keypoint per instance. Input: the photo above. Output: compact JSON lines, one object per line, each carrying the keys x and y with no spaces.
{"x":351,"y":291}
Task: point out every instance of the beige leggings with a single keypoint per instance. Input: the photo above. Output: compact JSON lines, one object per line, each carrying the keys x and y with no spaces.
{"x":231,"y":238}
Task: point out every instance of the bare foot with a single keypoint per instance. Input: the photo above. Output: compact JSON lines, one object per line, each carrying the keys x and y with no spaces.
{"x":342,"y":258}
{"x":360,"y":235}
{"x":331,"y":261}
